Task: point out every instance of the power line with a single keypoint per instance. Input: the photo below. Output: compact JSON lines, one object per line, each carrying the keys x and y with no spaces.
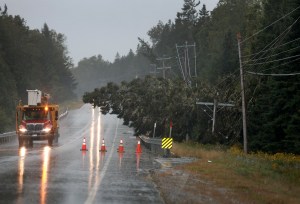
{"x":215,"y":105}
{"x":227,"y":78}
{"x":262,"y":74}
{"x":185,"y":63}
{"x":234,"y":77}
{"x":275,"y":41}
{"x":272,"y":43}
{"x":270,"y":24}
{"x":281,"y":65}
{"x":273,"y":55}
{"x":277,"y":60}
{"x":246,"y":56}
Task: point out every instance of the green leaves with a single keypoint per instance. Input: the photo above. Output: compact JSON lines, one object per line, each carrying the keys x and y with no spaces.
{"x":274,"y":113}
{"x":273,"y":103}
{"x":31,"y":59}
{"x":141,"y":103}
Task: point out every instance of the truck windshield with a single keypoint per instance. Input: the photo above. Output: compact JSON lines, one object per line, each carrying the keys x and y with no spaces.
{"x":35,"y":114}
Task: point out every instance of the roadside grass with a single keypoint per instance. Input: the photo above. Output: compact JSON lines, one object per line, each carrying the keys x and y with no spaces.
{"x":251,"y":178}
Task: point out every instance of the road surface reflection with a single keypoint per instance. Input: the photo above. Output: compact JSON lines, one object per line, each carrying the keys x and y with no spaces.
{"x":22,"y":155}
{"x":45,"y":168}
{"x":94,"y":170}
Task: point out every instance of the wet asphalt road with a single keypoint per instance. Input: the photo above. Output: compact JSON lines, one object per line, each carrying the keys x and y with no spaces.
{"x":64,"y":174}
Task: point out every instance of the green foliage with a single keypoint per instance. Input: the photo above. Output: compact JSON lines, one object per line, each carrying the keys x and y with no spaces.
{"x":31,"y":59}
{"x":143,"y":102}
{"x":272,"y":102}
{"x":274,"y":116}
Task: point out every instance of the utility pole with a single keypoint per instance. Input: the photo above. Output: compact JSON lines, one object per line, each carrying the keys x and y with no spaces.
{"x":164,"y":68}
{"x":171,"y":127}
{"x":215,"y":104}
{"x":243,"y":95}
{"x":195,"y":63}
{"x":214,"y":116}
{"x":184,"y":64}
{"x":154,"y":129}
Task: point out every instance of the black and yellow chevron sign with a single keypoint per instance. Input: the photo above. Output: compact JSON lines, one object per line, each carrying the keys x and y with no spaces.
{"x":166,"y":143}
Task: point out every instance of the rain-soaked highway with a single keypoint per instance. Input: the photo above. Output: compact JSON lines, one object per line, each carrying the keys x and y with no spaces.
{"x":64,"y":174}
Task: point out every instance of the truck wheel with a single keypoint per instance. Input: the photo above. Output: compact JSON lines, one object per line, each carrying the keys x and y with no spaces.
{"x":30,"y":142}
{"x":50,"y":141}
{"x":56,"y":138}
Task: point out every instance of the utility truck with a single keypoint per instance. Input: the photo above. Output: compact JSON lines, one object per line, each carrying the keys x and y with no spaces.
{"x":38,"y":120}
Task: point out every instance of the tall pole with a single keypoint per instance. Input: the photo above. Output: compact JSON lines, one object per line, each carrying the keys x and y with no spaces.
{"x":214,"y":116}
{"x":154,"y":130}
{"x":195,"y":63}
{"x":185,"y":63}
{"x":171,"y":127}
{"x":243,"y":95}
{"x":182,"y":72}
{"x":164,"y":68}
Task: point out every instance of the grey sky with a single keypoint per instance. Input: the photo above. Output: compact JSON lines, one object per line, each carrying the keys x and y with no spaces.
{"x":95,"y":27}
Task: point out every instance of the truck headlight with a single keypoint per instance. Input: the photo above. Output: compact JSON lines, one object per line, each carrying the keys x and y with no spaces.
{"x":47,"y":129}
{"x":22,"y":129}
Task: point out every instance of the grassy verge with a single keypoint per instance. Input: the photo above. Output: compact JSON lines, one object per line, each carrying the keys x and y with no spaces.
{"x":252,"y":178}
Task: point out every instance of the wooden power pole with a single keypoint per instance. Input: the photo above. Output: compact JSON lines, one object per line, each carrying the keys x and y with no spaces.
{"x":164,"y":68}
{"x":243,"y":95}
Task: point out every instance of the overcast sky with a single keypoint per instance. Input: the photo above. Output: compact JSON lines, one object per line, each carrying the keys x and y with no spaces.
{"x":95,"y":27}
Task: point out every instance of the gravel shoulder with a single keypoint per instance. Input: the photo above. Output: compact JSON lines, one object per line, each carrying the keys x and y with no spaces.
{"x":180,"y":186}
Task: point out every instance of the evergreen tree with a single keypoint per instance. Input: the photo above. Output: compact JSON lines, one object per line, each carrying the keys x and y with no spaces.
{"x":276,"y":106}
{"x":30,"y":59}
{"x":189,"y":13}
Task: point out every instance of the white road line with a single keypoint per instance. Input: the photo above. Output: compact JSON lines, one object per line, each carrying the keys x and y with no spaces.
{"x":93,"y":191}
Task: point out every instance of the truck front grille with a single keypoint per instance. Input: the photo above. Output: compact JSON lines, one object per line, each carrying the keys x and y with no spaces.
{"x":34,"y":127}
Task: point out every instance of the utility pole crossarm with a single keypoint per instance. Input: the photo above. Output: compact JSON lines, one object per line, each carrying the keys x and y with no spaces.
{"x":205,"y":103}
{"x":211,"y":104}
{"x":163,"y":68}
{"x":226,"y":104}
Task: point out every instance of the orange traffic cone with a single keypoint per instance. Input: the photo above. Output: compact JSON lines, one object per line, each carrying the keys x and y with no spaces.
{"x":121,"y":147}
{"x":103,"y":148}
{"x":138,"y":147}
{"x":83,"y":147}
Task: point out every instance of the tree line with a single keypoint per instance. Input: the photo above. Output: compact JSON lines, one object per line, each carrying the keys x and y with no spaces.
{"x":31,"y":59}
{"x":96,"y":72}
{"x":270,"y":49}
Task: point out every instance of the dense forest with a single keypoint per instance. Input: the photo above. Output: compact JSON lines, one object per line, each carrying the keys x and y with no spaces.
{"x":96,"y":72}
{"x":31,"y":59}
{"x":199,"y":51}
